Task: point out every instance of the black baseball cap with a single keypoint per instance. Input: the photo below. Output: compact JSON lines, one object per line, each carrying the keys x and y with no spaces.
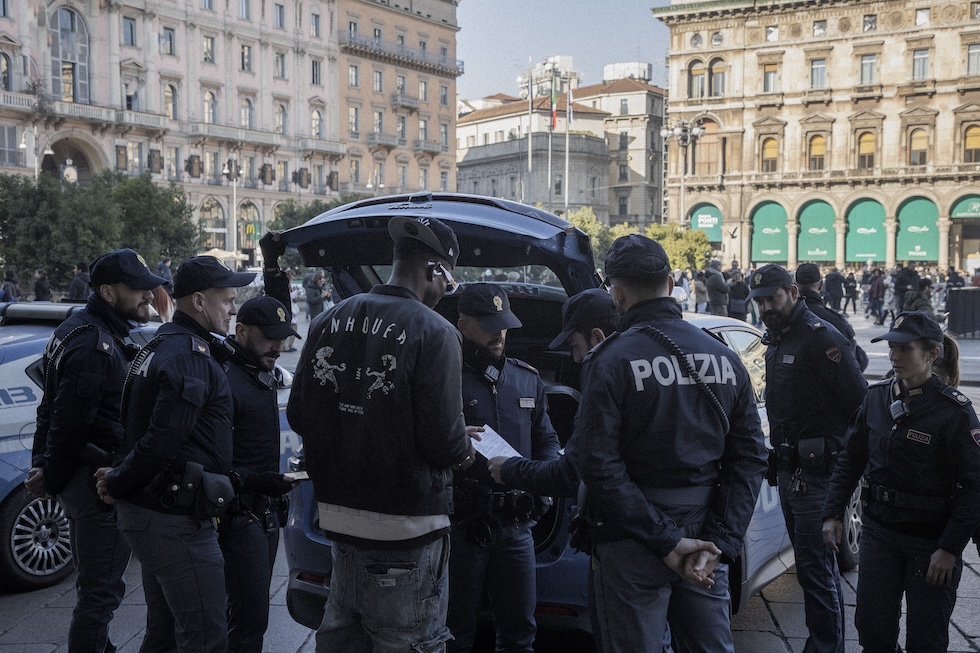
{"x":202,"y":272}
{"x":767,"y":280}
{"x":124,"y":266}
{"x":430,"y":231}
{"x":913,"y":325}
{"x":584,"y":310}
{"x":269,"y":315}
{"x":636,"y":256}
{"x":488,"y":304}
{"x":808,"y":273}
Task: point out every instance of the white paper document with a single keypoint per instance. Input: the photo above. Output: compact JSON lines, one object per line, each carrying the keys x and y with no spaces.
{"x":493,"y":445}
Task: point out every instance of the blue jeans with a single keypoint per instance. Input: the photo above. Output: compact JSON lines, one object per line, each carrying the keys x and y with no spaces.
{"x":101,"y":555}
{"x":183,"y":580}
{"x":637,"y":595}
{"x":506,"y":569}
{"x":893,"y":564}
{"x":387,"y":600}
{"x":250,"y":554}
{"x":816,"y":566}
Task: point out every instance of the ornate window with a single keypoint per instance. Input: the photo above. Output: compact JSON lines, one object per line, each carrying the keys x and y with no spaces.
{"x":69,"y":56}
{"x":866,"y":151}
{"x":971,"y":150}
{"x":695,"y":80}
{"x":918,"y":147}
{"x":210,"y":107}
{"x":170,"y":101}
{"x":817,"y":152}
{"x":717,"y":71}
{"x":770,"y":155}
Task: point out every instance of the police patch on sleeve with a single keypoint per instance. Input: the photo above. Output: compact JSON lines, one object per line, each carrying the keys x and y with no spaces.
{"x":833,"y":354}
{"x":975,"y":434}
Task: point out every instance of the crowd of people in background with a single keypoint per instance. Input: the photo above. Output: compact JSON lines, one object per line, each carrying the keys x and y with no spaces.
{"x":877,"y":293}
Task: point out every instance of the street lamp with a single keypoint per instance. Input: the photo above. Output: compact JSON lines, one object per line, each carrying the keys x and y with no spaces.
{"x":684,"y":133}
{"x":232,"y":172}
{"x":37,"y":159}
{"x":525,"y":84}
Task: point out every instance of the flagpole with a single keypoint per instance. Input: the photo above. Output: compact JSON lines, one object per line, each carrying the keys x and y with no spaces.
{"x":550,"y":65}
{"x":530,"y":132}
{"x":568,"y":120}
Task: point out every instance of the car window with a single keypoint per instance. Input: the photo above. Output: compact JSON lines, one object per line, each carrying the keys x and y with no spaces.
{"x":750,"y":349}
{"x":534,"y":274}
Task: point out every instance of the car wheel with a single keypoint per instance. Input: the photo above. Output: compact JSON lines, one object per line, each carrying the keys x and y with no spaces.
{"x":847,"y":556}
{"x":36,"y":551}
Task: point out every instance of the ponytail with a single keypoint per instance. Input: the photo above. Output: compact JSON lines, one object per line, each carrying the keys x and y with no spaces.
{"x":947,"y":366}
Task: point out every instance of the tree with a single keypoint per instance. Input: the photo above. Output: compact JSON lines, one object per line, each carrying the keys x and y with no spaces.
{"x":586,"y":220}
{"x":51,"y":225}
{"x":686,"y":248}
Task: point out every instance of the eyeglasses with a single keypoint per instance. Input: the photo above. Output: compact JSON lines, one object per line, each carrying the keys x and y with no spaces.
{"x":451,"y":284}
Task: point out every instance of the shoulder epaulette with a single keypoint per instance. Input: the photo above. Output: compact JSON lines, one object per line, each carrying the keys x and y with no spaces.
{"x":518,"y":362}
{"x":105,"y":343}
{"x":956,"y":396}
{"x":816,"y":324}
{"x":882,"y":382}
{"x":198,"y":346}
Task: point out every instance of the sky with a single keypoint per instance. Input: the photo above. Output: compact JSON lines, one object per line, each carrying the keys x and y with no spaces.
{"x":496,"y":38}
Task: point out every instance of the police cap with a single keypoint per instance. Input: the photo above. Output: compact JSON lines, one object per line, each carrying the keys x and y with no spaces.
{"x":269,"y":315}
{"x":638,"y":257}
{"x":808,"y":273}
{"x":767,"y":280}
{"x":584,"y":311}
{"x":488,"y":304}
{"x":124,"y":266}
{"x":430,"y":231}
{"x":202,"y":272}
{"x":913,"y":325}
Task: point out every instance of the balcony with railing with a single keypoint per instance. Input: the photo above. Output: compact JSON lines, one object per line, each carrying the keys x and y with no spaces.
{"x":381,"y":139}
{"x":323,"y":147}
{"x":403,"y":101}
{"x":235,"y":134}
{"x":427,"y":147}
{"x":141,"y":119}
{"x":87,"y":112}
{"x":400,"y":54}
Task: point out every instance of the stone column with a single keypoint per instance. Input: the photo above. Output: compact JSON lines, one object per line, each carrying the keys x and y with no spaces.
{"x":840,"y":227}
{"x":792,"y":244}
{"x":746,"y":261}
{"x":944,"y":224}
{"x":891,"y":230}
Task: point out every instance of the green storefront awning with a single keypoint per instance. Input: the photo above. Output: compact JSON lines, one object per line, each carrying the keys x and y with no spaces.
{"x":865,"y":240}
{"x":918,"y":234}
{"x":966,"y":207}
{"x":818,"y":238}
{"x":707,"y":218}
{"x":769,"y":238}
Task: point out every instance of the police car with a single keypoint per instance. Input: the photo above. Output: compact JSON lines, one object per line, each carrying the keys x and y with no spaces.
{"x":539,"y":259}
{"x":35,"y":551}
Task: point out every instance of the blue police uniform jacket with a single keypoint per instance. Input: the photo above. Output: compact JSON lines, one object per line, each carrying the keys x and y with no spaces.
{"x":644,"y":423}
{"x":929,"y":460}
{"x":376,"y":398}
{"x":177,"y":408}
{"x":813,"y":382}
{"x":256,"y":423}
{"x":516,"y":407}
{"x":87,"y":384}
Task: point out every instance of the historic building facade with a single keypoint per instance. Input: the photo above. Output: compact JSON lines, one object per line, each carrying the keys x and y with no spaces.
{"x":613,"y":145}
{"x":241,"y":102}
{"x":398,"y":94}
{"x":834,"y":131}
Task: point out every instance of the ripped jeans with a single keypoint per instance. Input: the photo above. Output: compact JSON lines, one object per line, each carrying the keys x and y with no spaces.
{"x":387,"y":600}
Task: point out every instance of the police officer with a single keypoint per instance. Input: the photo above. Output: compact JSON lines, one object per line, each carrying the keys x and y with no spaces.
{"x":492,"y":546}
{"x":916,"y":442}
{"x":672,"y":457}
{"x":177,"y":414}
{"x":813,"y":385}
{"x":810,"y":284}
{"x":249,"y":540}
{"x":78,"y":429}
{"x":588,"y":318}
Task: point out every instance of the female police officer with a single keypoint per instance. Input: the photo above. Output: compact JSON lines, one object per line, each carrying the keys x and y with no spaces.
{"x":919,"y":441}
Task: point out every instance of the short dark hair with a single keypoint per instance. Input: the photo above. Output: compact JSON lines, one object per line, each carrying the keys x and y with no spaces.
{"x":643,"y":286}
{"x":607,"y":325}
{"x":82,"y":265}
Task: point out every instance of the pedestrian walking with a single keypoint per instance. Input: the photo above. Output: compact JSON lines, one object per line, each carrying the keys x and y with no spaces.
{"x":717,"y":287}
{"x":78,"y":287}
{"x":916,"y":443}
